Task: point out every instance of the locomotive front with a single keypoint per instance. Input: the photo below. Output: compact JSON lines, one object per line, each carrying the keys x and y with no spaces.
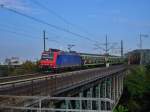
{"x":48,"y":60}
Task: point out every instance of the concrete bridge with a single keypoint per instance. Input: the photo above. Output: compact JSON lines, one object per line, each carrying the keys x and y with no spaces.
{"x":90,"y":90}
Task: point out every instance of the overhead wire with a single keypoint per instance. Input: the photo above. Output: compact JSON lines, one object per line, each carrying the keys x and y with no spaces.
{"x":46,"y":23}
{"x":13,"y":27}
{"x":27,"y":35}
{"x":60,"y":17}
{"x":51,"y":11}
{"x":23,"y":31}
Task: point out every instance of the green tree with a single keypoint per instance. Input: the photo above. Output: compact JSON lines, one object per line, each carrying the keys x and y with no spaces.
{"x":120,"y":108}
{"x":30,"y":67}
{"x":136,"y":95}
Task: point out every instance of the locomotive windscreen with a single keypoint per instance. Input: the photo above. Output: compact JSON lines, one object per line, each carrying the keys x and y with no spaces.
{"x":47,"y":56}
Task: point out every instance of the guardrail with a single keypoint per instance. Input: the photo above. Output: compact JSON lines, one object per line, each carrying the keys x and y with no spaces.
{"x":52,"y":100}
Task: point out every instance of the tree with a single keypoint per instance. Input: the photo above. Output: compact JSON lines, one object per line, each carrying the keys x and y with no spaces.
{"x":29,"y":67}
{"x":136,"y":95}
{"x":121,"y":108}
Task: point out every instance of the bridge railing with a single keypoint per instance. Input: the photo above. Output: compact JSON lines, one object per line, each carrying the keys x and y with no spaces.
{"x":56,"y":104}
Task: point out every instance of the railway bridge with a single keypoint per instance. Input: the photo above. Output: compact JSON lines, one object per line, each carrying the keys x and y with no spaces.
{"x":89,"y":90}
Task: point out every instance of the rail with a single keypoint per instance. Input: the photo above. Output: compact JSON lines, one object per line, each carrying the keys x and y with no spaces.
{"x":18,"y":77}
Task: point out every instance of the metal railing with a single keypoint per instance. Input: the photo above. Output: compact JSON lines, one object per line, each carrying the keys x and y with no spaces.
{"x":39,"y":100}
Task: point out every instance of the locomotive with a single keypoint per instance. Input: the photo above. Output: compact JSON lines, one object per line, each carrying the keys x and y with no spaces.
{"x":55,"y":59}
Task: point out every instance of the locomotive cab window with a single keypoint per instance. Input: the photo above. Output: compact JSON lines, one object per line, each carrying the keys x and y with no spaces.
{"x":48,"y":56}
{"x":51,"y":55}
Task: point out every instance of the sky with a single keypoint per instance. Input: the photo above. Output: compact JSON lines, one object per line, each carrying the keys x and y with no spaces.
{"x":91,"y":19}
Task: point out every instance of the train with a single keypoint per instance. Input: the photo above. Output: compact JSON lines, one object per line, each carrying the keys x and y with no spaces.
{"x":55,"y":59}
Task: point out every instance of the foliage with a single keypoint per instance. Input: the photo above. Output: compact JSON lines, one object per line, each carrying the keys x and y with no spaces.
{"x":3,"y":70}
{"x":25,"y":68}
{"x":135,"y":82}
{"x":121,"y":108}
{"x":29,"y":67}
{"x":136,"y":95}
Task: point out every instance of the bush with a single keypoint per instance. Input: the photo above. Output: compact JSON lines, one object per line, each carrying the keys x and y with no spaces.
{"x":30,"y":67}
{"x":25,"y":68}
{"x":136,"y":95}
{"x":121,"y":108}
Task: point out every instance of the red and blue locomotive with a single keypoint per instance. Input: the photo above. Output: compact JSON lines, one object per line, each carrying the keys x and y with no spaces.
{"x":57,"y":59}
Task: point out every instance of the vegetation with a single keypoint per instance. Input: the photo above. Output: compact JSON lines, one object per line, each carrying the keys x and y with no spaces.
{"x":121,"y":108}
{"x":26,"y":67}
{"x":3,"y":70}
{"x":136,"y":95}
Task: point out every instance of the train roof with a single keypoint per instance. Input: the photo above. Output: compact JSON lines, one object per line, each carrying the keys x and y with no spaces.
{"x":75,"y":53}
{"x":68,"y":53}
{"x":88,"y":54}
{"x":100,"y":55}
{"x":54,"y":50}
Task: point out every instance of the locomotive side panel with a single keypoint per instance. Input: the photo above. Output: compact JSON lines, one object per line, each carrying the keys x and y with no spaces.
{"x":68,"y":60}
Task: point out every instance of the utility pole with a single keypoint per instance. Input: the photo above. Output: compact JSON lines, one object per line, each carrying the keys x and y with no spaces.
{"x":141,"y":41}
{"x":106,"y":45}
{"x":44,"y":38}
{"x":141,"y":54}
{"x":121,"y":48}
{"x":106,"y":53}
{"x":141,"y":47}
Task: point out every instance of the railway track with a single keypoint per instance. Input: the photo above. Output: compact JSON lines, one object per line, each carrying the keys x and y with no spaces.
{"x":37,"y":75}
{"x":20,"y":77}
{"x":30,"y":76}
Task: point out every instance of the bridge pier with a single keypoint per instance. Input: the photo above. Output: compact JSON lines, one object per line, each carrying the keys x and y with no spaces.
{"x":99,"y":96}
{"x":114,"y":87}
{"x":81,"y":95}
{"x":102,"y":90}
{"x":120,"y":85}
{"x":109,"y":92}
{"x":89,"y":95}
